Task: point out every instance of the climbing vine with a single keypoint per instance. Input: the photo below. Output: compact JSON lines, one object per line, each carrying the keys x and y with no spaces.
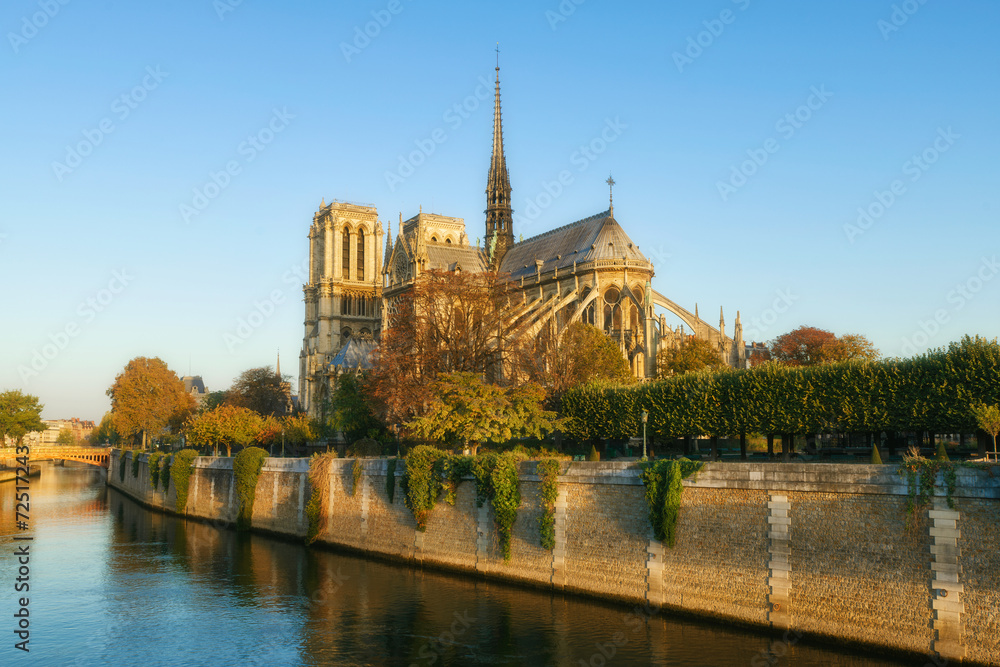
{"x":390,"y":479}
{"x":548,"y":475}
{"x":121,"y":467}
{"x":496,"y":481}
{"x":180,"y":471}
{"x":135,"y":464}
{"x":247,"y":465}
{"x":165,"y":472}
{"x":662,"y":480}
{"x":421,"y":483}
{"x":154,"y":469}
{"x":356,"y":473}
{"x":921,"y":475}
{"x":453,"y":469}
{"x":319,"y":471}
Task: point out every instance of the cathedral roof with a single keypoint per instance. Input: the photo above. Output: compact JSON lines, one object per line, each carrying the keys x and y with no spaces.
{"x":448,"y":257}
{"x":598,"y":237}
{"x":355,"y":354}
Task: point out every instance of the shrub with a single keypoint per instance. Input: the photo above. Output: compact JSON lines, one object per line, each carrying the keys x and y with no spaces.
{"x":876,"y":457}
{"x":594,"y":455}
{"x":942,"y":453}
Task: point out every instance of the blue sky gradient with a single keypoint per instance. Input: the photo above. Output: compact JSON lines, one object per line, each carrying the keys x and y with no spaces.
{"x":784,"y":247}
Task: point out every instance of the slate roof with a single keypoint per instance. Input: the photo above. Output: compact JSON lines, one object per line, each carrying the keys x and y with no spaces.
{"x":595,"y":238}
{"x":193,"y":382}
{"x":355,"y":354}
{"x":447,"y":257}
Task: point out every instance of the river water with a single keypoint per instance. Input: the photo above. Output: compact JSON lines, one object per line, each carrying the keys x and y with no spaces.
{"x":112,"y":583}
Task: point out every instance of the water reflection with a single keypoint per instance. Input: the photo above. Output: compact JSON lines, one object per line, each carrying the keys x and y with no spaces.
{"x":121,"y":585}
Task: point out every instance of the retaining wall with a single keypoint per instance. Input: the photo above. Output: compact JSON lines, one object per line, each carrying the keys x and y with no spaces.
{"x":821,"y":549}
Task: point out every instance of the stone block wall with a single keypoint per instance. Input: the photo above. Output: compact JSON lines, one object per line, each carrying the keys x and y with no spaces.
{"x":821,"y":549}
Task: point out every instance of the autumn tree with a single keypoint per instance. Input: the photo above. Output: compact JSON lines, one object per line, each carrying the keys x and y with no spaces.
{"x":148,"y":397}
{"x":230,"y":426}
{"x":693,"y":354}
{"x":20,"y":414}
{"x":65,"y":437}
{"x":465,"y":408}
{"x":809,"y":346}
{"x":260,"y":390}
{"x":581,"y":354}
{"x":446,"y":322}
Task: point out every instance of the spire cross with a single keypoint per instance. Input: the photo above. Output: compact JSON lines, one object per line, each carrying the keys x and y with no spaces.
{"x":611,"y":193}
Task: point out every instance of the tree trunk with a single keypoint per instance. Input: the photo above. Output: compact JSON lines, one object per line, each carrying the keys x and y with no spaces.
{"x":770,"y":446}
{"x":743,"y":446}
{"x":786,"y":449}
{"x":811,"y":444}
{"x":715,"y":447}
{"x":982,"y":437}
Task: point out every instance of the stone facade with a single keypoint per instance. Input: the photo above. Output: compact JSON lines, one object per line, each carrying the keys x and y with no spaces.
{"x":818,"y":549}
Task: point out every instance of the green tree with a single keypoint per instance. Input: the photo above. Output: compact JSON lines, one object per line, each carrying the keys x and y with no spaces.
{"x":20,"y":414}
{"x":693,"y":354}
{"x":352,"y":411}
{"x":466,"y":409}
{"x":298,"y":430}
{"x":147,"y":397}
{"x":213,"y":399}
{"x":260,"y":390}
{"x":105,"y":432}
{"x":65,"y":437}
{"x":988,"y":419}
{"x":230,"y":426}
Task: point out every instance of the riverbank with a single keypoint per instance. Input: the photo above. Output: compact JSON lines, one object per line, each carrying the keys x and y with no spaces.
{"x":819,"y":549}
{"x":10,"y":474}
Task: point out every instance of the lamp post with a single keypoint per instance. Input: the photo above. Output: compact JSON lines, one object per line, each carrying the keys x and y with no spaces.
{"x":645,"y":418}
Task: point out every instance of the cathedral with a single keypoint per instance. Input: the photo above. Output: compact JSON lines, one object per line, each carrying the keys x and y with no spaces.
{"x":588,"y":270}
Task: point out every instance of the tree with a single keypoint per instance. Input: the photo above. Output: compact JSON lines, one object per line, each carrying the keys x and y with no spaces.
{"x":105,"y":432}
{"x":988,"y":418}
{"x":148,"y":397}
{"x":466,"y":409}
{"x":213,"y":399}
{"x":260,"y":390}
{"x":580,"y":355}
{"x":20,"y":414}
{"x":298,"y":430}
{"x":65,"y":437}
{"x":809,"y":346}
{"x":231,"y":426}
{"x":693,"y":354}
{"x":352,"y":411}
{"x":446,"y":322}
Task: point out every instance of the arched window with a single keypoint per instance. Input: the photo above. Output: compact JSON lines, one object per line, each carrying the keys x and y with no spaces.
{"x":361,"y":254}
{"x":607,"y":318}
{"x":611,"y":296}
{"x":345,"y":334}
{"x":345,"y":271}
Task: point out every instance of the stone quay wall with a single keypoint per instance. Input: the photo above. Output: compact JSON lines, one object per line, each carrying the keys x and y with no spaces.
{"x":804,"y":549}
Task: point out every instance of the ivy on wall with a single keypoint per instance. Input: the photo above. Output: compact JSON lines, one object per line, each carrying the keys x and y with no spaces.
{"x":421,"y":484}
{"x":356,"y":472}
{"x":497,"y":481}
{"x":662,"y":480}
{"x":154,"y":469}
{"x":247,"y":465}
{"x":180,"y":471}
{"x":390,"y":479}
{"x":548,"y":475}
{"x":135,"y":464}
{"x":121,"y":466}
{"x":319,"y":471}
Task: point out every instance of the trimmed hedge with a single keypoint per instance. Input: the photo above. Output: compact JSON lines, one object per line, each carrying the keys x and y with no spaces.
{"x":932,"y":392}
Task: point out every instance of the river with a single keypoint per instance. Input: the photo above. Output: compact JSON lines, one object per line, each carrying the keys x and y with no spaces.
{"x":112,"y":583}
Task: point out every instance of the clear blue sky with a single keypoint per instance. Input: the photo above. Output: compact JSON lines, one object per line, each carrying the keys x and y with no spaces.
{"x":199,"y":79}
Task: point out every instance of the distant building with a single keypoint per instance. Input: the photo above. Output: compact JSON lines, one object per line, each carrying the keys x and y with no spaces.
{"x":194,"y":385}
{"x":80,"y":428}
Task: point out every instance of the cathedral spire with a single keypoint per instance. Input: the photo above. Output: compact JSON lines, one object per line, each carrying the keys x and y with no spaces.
{"x":388,"y":245}
{"x":499,"y":221}
{"x":277,"y":366}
